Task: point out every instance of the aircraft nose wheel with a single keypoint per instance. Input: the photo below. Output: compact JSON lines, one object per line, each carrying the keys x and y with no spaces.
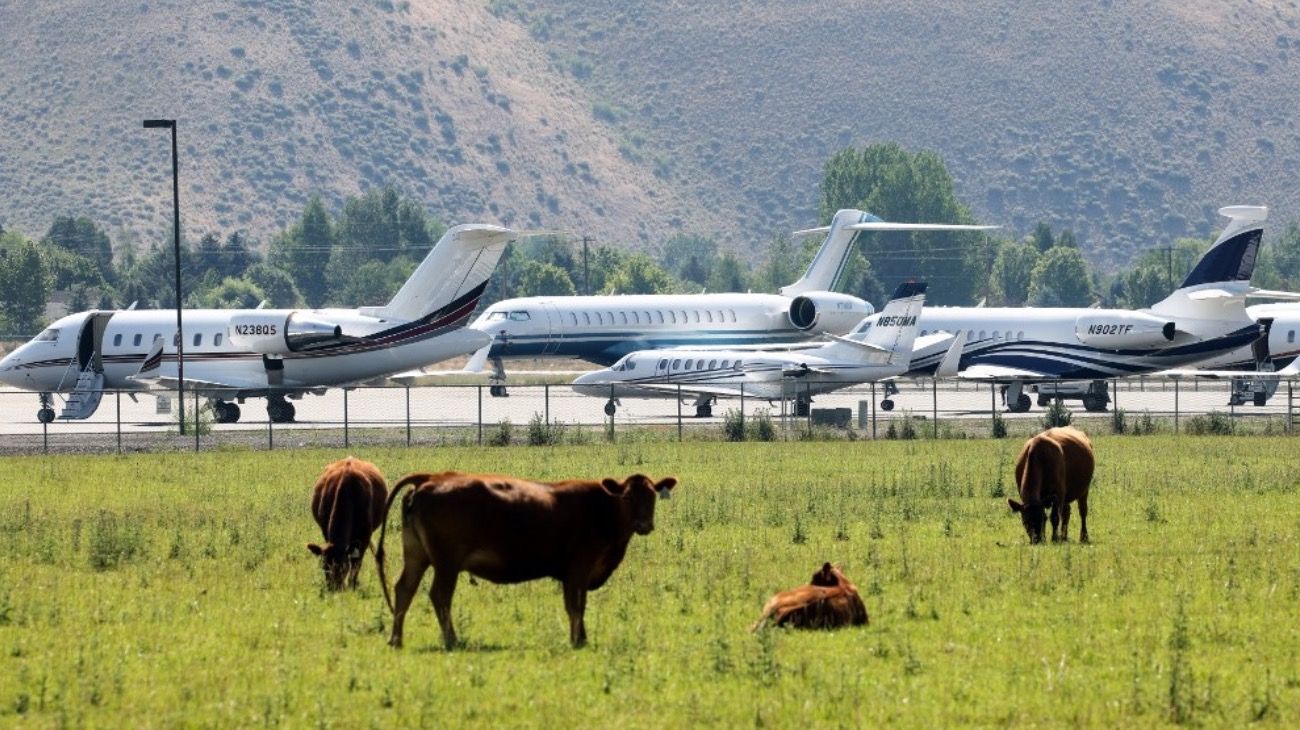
{"x":610,"y":408}
{"x":887,"y":405}
{"x":498,"y":391}
{"x":45,"y":415}
{"x":225,"y":412}
{"x":1021,"y":405}
{"x":704,"y":411}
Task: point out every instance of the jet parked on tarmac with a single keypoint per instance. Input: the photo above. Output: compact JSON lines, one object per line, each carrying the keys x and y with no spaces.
{"x":602,"y":329}
{"x":880,"y":347}
{"x":277,"y":354}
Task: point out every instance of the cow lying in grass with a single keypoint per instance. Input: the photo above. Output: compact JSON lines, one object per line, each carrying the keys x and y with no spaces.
{"x":829,"y":601}
{"x":347,"y":502}
{"x":510,"y":530}
{"x":1054,"y":469}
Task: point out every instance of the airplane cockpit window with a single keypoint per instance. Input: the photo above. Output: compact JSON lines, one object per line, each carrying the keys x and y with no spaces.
{"x":496,"y":316}
{"x":135,"y":341}
{"x":621,"y":364}
{"x":519,"y":317}
{"x":631,"y":364}
{"x":49,"y":335}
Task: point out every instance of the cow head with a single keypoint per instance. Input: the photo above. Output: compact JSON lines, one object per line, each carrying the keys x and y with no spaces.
{"x":1033,"y":516}
{"x":827,"y":577}
{"x":638,"y":494}
{"x":340,"y":564}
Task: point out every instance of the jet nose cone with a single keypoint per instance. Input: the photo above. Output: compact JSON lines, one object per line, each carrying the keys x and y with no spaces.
{"x":9,"y":370}
{"x":593,"y":383}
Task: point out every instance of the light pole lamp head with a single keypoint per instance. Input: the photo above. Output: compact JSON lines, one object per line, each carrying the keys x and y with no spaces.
{"x":159,"y":123}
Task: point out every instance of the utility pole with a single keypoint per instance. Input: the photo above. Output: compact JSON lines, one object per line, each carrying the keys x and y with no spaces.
{"x":1169,"y":267}
{"x":586,"y":281}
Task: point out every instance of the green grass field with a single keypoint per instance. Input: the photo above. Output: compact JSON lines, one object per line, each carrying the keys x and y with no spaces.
{"x":168,"y":590}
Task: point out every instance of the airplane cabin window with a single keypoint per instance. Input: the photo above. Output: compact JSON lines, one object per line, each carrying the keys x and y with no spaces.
{"x":685,"y":319}
{"x":708,"y":316}
{"x":924,"y":333}
{"x":49,"y":335}
{"x":732,"y":312}
{"x":176,"y":339}
{"x":663,"y":364}
{"x":713,"y":364}
{"x":117,"y":340}
{"x":983,"y":335}
{"x":1290,"y":336}
{"x":970,"y":335}
{"x":157,"y":336}
{"x":1020,"y":335}
{"x":136,"y":340}
{"x":688,"y":364}
{"x":586,"y":317}
{"x":1008,"y":335}
{"x":216,"y":340}
{"x":573,"y":319}
{"x":697,"y":316}
{"x":673,"y":316}
{"x":611,"y":317}
{"x":624,"y":315}
{"x":677,"y":364}
{"x":647,"y":318}
{"x":198,"y":339}
{"x":739,"y":363}
{"x":661,"y":317}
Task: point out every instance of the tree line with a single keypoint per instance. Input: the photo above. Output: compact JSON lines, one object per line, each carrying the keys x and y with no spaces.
{"x":363,"y":253}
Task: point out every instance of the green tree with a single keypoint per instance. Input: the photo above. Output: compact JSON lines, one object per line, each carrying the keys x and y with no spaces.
{"x":690,"y":258}
{"x":24,"y":284}
{"x":367,"y":285}
{"x":729,"y":275}
{"x":276,"y":285}
{"x":1010,"y":276}
{"x":300,"y":250}
{"x":232,"y":293}
{"x":639,"y":274}
{"x":540,"y":279}
{"x":784,"y":264}
{"x":1042,"y":237}
{"x":1060,"y":279}
{"x":80,"y":236}
{"x":237,"y":255}
{"x":1145,"y":286}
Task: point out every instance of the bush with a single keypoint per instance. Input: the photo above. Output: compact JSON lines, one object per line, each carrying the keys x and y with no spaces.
{"x":733,"y":425}
{"x":541,"y":433}
{"x":760,"y":426}
{"x":502,"y":435}
{"x":999,"y":426}
{"x":1117,"y":424}
{"x":1214,"y":423}
{"x":1143,"y":424}
{"x":113,"y":541}
{"x":1057,"y":415}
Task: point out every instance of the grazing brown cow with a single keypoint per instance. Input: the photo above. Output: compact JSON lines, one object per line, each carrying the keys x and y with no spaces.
{"x":509,"y":530}
{"x":829,"y":601}
{"x":1054,"y":469}
{"x":347,"y":502}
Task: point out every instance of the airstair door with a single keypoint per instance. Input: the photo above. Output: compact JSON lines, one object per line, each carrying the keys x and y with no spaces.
{"x":555,"y":329}
{"x":86,"y":394}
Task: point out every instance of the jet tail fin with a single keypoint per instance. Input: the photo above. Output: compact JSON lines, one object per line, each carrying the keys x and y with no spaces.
{"x":894,"y":330}
{"x":1228,"y":264}
{"x":453,"y":275}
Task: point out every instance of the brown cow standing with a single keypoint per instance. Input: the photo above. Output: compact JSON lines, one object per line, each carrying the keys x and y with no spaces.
{"x":828,"y":602}
{"x":1054,"y":469}
{"x":347,"y":502}
{"x":509,"y":530}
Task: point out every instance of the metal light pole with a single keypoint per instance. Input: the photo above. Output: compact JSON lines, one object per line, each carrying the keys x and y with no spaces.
{"x":176,"y":232}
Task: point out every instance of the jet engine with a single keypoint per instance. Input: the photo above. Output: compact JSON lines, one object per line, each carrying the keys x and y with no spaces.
{"x":1116,"y":330}
{"x":274,"y":333}
{"x":821,"y":312}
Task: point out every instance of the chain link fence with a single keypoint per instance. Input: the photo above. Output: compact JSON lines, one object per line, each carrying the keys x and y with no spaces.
{"x":545,"y":414}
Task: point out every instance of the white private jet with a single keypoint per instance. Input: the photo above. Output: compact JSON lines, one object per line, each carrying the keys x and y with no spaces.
{"x":879,"y":348}
{"x":233,"y":354}
{"x":602,"y":329}
{"x":1203,"y":318}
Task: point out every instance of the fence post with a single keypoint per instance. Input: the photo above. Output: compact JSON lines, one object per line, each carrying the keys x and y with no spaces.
{"x":934,"y":401}
{"x":742,"y":408}
{"x":119,"y":420}
{"x":679,"y":411}
{"x":346,"y":443}
{"x":1289,"y":424}
{"x":1175,"y":404}
{"x":480,"y":415}
{"x":270,"y":432}
{"x":546,"y":402}
{"x":609,"y":434}
{"x":807,"y":396}
{"x":195,"y":420}
{"x":408,"y":415}
{"x":873,"y":410}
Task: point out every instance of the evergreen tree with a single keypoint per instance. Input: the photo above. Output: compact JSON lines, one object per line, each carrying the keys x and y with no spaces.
{"x":301,"y":251}
{"x":1042,"y":237}
{"x":237,"y":255}
{"x":80,"y":236}
{"x":728,"y":275}
{"x":24,"y":285}
{"x":276,"y":285}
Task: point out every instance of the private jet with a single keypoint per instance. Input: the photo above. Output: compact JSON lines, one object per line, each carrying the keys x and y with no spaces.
{"x":230,"y":355}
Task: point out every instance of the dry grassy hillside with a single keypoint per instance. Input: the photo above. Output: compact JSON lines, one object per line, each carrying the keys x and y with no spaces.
{"x":281,"y":98}
{"x":1130,"y":121}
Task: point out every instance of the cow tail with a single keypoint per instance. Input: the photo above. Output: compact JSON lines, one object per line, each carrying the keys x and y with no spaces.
{"x":383,"y":529}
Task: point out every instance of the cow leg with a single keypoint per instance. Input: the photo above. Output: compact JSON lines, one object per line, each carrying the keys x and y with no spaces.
{"x":444,"y":586}
{"x":1055,"y":519}
{"x":1065,"y":521}
{"x":575,"y":604}
{"x":1083,"y":518}
{"x":408,"y":584}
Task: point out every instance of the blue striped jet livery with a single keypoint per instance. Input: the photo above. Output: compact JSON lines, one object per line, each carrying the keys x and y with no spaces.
{"x":877,"y":349}
{"x":602,"y":329}
{"x":1203,"y":318}
{"x":234,"y":354}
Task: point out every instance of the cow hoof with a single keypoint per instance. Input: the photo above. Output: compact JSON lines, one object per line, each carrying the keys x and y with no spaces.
{"x":395,"y":642}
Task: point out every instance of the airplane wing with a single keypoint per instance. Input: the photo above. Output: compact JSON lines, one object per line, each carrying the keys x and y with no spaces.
{"x":789,"y":347}
{"x":1290,"y":371}
{"x":858,"y":343}
{"x":476,"y":361}
{"x":999,"y":372}
{"x":720,"y":389}
{"x":951,"y":362}
{"x":801,"y":370}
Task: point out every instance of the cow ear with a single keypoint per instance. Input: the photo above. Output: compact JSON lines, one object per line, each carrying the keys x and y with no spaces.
{"x":612,"y":486}
{"x":1015,"y":506}
{"x":665,"y":485}
{"x":315,"y":549}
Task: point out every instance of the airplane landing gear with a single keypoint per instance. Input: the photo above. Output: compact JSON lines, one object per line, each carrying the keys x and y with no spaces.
{"x":46,"y":413}
{"x":280,"y":410}
{"x":497,"y":389}
{"x":704,"y":407}
{"x":1020,"y":405}
{"x":223,"y":412}
{"x":887,"y":405}
{"x":610,"y":408}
